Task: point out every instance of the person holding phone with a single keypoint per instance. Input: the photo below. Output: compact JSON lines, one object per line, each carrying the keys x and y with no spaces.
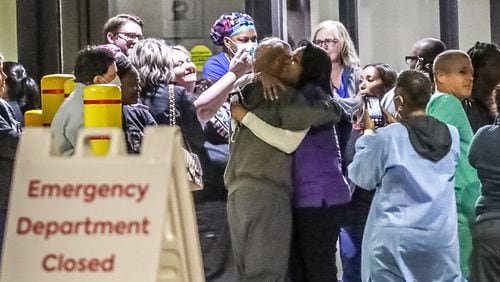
{"x":374,"y":109}
{"x":376,"y":80}
{"x":411,"y":231}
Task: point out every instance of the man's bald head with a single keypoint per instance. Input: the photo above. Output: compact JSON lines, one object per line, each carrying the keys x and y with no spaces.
{"x":429,"y":48}
{"x":426,"y":50}
{"x":271,"y":55}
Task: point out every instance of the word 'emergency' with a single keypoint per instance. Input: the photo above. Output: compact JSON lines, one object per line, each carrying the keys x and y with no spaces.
{"x":89,"y":192}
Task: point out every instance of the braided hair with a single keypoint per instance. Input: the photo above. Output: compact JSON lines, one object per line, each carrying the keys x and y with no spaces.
{"x":480,"y":53}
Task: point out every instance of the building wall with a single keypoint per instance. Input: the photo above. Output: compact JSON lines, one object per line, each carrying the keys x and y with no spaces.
{"x":322,"y":10}
{"x":388,"y":28}
{"x":8,"y":32}
{"x":473,"y":22}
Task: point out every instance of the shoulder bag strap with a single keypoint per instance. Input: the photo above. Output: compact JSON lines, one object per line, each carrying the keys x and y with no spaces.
{"x":171,"y":105}
{"x":171,"y":113}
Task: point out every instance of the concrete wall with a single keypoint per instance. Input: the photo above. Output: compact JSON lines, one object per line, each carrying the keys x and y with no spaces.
{"x":389,"y":28}
{"x":323,"y":10}
{"x":8,"y":32}
{"x":473,"y":22}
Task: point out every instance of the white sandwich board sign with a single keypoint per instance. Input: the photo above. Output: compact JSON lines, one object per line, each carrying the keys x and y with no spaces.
{"x":86,"y":218}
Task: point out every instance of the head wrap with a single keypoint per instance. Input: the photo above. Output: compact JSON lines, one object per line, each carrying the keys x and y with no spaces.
{"x":230,"y":24}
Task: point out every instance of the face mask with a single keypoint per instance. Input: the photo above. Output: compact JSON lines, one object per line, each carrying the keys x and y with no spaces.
{"x":249,"y":47}
{"x":116,"y":81}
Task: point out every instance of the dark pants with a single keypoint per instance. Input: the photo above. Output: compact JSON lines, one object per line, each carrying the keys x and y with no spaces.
{"x":485,"y":257}
{"x":351,"y":235}
{"x":315,"y":239}
{"x":215,"y":241}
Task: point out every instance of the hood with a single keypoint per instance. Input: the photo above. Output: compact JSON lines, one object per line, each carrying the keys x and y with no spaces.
{"x":429,"y":137}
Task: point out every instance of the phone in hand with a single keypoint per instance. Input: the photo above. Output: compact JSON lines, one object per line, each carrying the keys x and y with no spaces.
{"x":372,"y":105}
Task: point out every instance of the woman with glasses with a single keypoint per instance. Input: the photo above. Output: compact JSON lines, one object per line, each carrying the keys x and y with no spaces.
{"x":123,"y":31}
{"x":233,"y":31}
{"x":333,"y":37}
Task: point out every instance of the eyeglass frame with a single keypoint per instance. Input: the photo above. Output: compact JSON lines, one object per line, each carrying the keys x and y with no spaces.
{"x":410,"y":58}
{"x":129,"y":36}
{"x":329,"y":41}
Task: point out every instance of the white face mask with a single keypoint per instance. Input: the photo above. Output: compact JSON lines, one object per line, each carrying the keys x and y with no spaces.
{"x":249,"y":47}
{"x":116,"y":81}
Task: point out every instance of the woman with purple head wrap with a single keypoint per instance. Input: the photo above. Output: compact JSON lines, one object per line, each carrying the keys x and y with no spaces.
{"x":232,"y":31}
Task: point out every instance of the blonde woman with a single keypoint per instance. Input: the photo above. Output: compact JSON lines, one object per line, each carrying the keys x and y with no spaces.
{"x":213,"y":112}
{"x":344,"y":79}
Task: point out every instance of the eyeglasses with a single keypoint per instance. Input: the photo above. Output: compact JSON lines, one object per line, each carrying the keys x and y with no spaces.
{"x":129,"y":36}
{"x":331,"y":42}
{"x":410,"y":59}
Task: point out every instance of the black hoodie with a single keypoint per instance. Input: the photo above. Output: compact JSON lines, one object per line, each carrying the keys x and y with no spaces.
{"x":429,"y":137}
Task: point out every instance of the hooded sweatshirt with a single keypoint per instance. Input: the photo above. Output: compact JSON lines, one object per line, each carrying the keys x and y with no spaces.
{"x":429,"y":137}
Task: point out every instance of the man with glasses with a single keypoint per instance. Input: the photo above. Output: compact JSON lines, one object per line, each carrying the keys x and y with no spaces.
{"x":123,"y":31}
{"x":423,"y":54}
{"x":421,"y":58}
